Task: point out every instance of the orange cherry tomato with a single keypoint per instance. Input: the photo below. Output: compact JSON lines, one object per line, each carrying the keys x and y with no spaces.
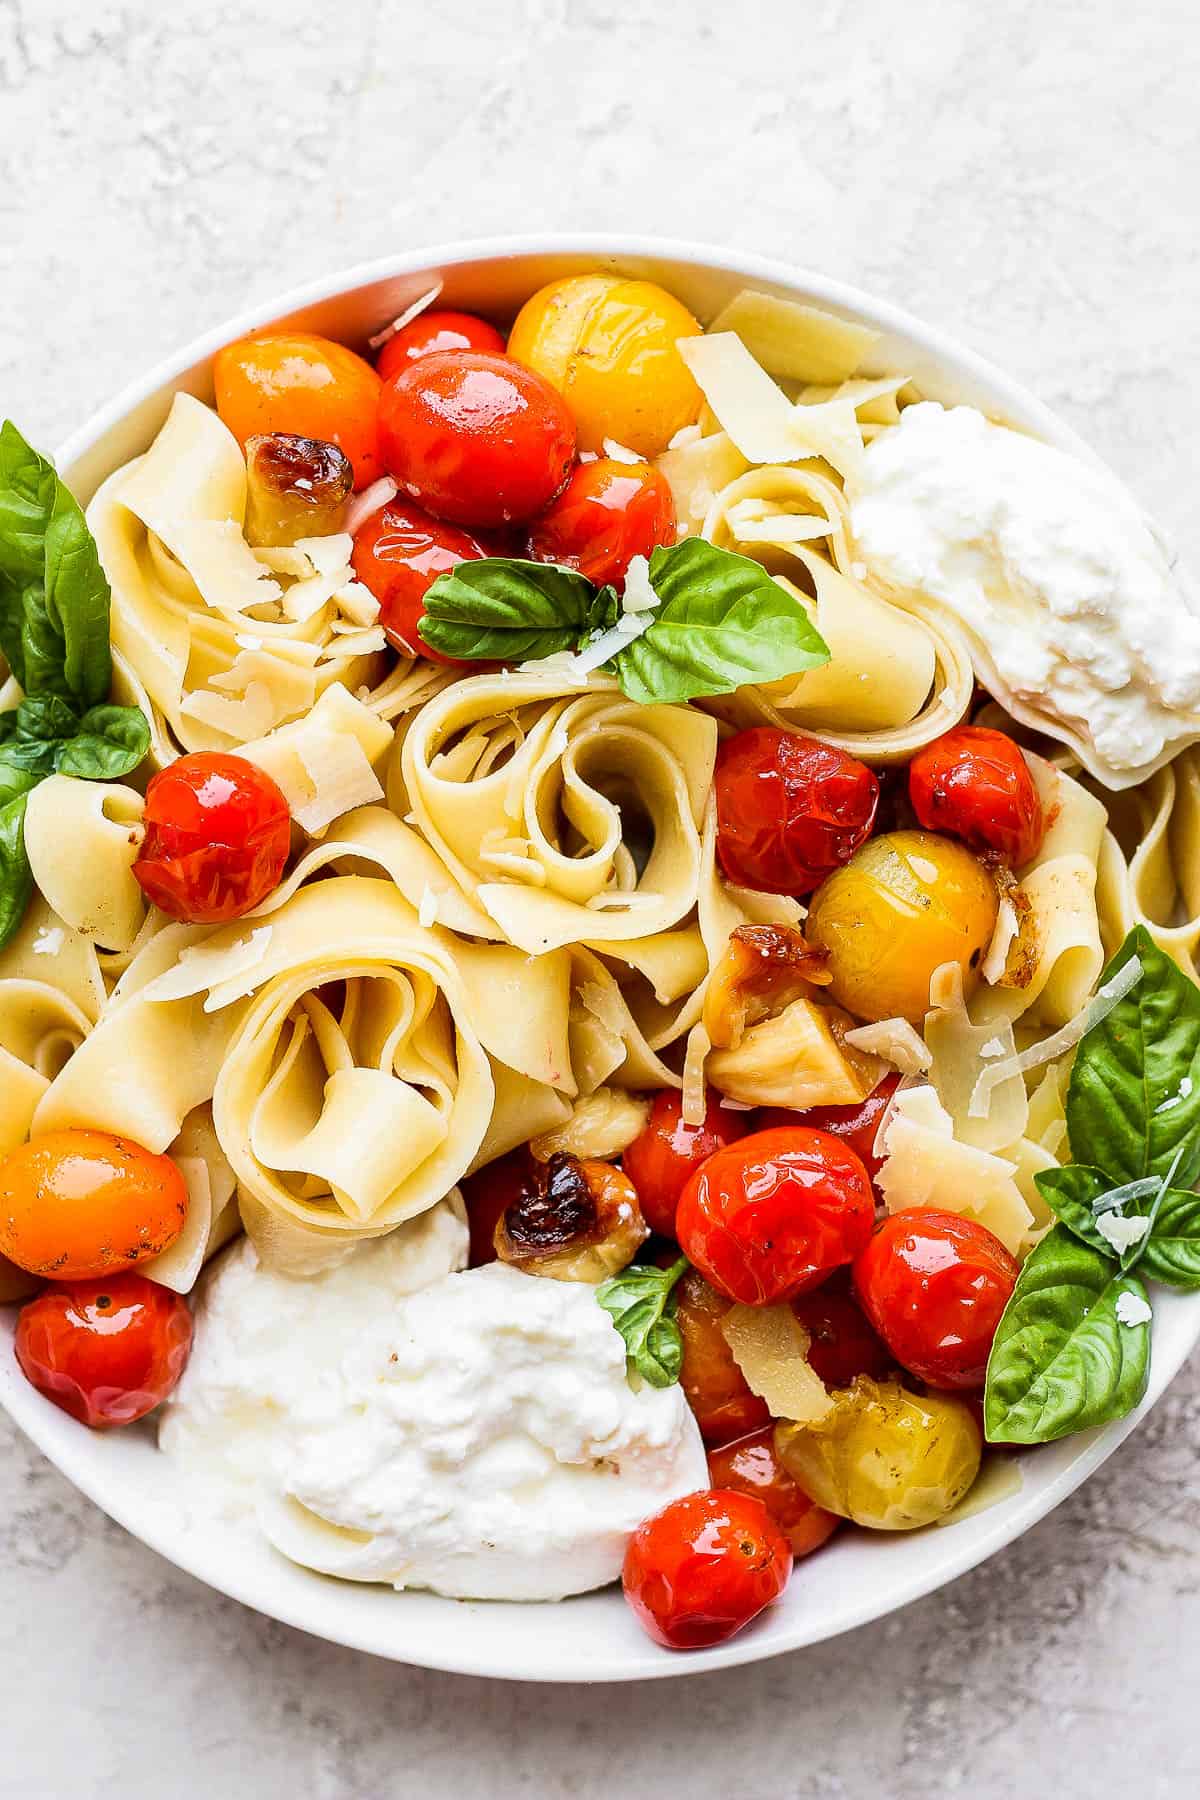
{"x":77,"y":1203}
{"x":842,"y":1343}
{"x":789,"y":809}
{"x":713,"y":1385}
{"x":774,"y":1214}
{"x":297,"y":382}
{"x":475,"y":439}
{"x":666,"y":1152}
{"x":398,"y":555}
{"x":703,"y":1567}
{"x":608,"y":513}
{"x":489,"y":1193}
{"x":107,"y":1351}
{"x":441,"y":330}
{"x":976,"y":785}
{"x":856,"y":1125}
{"x":218,"y":831}
{"x":750,"y":1466}
{"x":934,"y":1285}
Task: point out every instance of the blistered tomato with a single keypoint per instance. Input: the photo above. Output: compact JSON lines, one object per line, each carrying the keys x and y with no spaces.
{"x":975,"y":784}
{"x":842,"y":1342}
{"x":667,"y":1151}
{"x":751,"y":1466}
{"x":488,"y":1193}
{"x":608,"y":513}
{"x":934,"y":1285}
{"x":297,"y":382}
{"x":399,"y":554}
{"x":789,"y":809}
{"x":77,"y":1203}
{"x":476,"y":439}
{"x":713,"y":1385}
{"x":610,"y":348}
{"x":440,"y":330}
{"x":108,"y":1351}
{"x":856,"y":1125}
{"x":217,"y":837}
{"x":702,"y":1568}
{"x":773,"y":1215}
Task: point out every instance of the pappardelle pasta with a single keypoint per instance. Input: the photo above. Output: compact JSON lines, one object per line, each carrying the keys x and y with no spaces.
{"x":597,"y":923}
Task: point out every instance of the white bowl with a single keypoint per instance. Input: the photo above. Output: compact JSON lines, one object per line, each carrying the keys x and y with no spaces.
{"x":860,"y":1576}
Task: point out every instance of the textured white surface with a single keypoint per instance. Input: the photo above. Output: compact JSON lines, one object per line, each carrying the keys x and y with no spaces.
{"x":1024,"y":175}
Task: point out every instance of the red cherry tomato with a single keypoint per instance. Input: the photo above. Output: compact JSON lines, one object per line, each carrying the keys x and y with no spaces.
{"x":489,"y":1192}
{"x":750,"y":1466}
{"x":702,"y":1568}
{"x":934,"y":1285}
{"x":217,"y":837}
{"x":660,"y":1160}
{"x":713,"y":1385}
{"x":476,"y":439}
{"x":608,"y":513}
{"x":774,"y":1214}
{"x":399,"y":554}
{"x":856,"y":1125}
{"x":842,"y":1342}
{"x":107,"y":1351}
{"x":789,"y":809}
{"x":976,"y":785}
{"x":441,"y":330}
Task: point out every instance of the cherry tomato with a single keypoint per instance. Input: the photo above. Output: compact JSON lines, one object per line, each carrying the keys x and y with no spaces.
{"x":842,"y":1342}
{"x":750,"y":1466}
{"x":217,"y":837}
{"x":297,"y":382}
{"x":976,"y":785}
{"x":789,"y":809}
{"x":774,"y":1214}
{"x":108,"y":1351}
{"x":702,"y":1568}
{"x":489,"y":1192}
{"x":667,"y":1151}
{"x":76,"y":1203}
{"x":398,"y":555}
{"x":934,"y":1285}
{"x":856,"y":1125}
{"x":608,"y":513}
{"x":713,"y":1385}
{"x":477,"y":439}
{"x":440,"y":330}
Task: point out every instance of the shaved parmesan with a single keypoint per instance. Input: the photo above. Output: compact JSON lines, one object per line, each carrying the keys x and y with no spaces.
{"x":752,"y":410}
{"x":249,"y":717}
{"x":342,"y":778}
{"x":958,"y":1046}
{"x":698,"y":470}
{"x":49,"y":940}
{"x":211,"y":968}
{"x":357,"y":603}
{"x":694,"y":1105}
{"x":619,"y":453}
{"x":1061,"y":1041}
{"x":796,"y":342}
{"x":329,"y":554}
{"x":1004,"y":936}
{"x":895,"y":1041}
{"x":770,"y":1347}
{"x":1121,"y":1234}
{"x":925,"y":1166}
{"x":222,"y":564}
{"x":324,"y":763}
{"x":1132,"y":1309}
{"x":639,"y":595}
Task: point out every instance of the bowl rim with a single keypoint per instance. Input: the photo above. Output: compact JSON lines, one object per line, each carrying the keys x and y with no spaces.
{"x":79,"y":1456}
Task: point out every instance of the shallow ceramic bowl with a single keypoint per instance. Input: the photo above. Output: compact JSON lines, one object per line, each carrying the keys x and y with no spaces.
{"x":594,"y":1638}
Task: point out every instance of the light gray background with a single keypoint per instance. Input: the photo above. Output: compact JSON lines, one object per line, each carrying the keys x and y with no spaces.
{"x":1023,"y":173}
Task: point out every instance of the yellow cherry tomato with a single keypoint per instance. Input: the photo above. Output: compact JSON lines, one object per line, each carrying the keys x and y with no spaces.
{"x":303,"y":384}
{"x":608,"y":346}
{"x":905,"y":903}
{"x":885,"y":1458}
{"x":80,"y":1203}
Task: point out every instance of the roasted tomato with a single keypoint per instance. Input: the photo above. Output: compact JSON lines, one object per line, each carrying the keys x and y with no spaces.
{"x":762,"y":970}
{"x":297,"y":382}
{"x":296,"y":487}
{"x":750,"y":1465}
{"x":437,"y":330}
{"x":610,"y":347}
{"x":789,"y":809}
{"x":668,"y":1151}
{"x":488,"y":1192}
{"x":76,"y":1203}
{"x":573,"y":1220}
{"x":976,"y":785}
{"x":608,"y":513}
{"x":856,"y":1125}
{"x":218,"y":831}
{"x":475,"y":439}
{"x":108,"y":1351}
{"x":842,"y":1343}
{"x":934,"y":1285}
{"x":398,"y":555}
{"x":774,"y":1214}
{"x":714,"y":1386}
{"x":702,"y":1568}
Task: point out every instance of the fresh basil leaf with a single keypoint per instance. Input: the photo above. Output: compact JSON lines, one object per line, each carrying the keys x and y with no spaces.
{"x":32,"y":756}
{"x":1070,"y":1193}
{"x":1061,"y":1359}
{"x":111,"y":742}
{"x":16,"y":877}
{"x":27,"y":484}
{"x":44,"y":718}
{"x":641,"y":1304}
{"x":1171,"y":1253}
{"x":1134,"y":1096}
{"x":503,"y":609}
{"x":722,"y":623}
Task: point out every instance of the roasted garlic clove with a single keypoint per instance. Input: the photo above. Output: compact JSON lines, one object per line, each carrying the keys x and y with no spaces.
{"x":573,"y":1221}
{"x":296,"y":487}
{"x":763,"y":969}
{"x":798,"y":1058}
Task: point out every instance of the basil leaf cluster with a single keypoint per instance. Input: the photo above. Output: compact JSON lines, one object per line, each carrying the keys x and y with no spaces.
{"x":641,"y":1303}
{"x":722,"y":622}
{"x":54,"y":611}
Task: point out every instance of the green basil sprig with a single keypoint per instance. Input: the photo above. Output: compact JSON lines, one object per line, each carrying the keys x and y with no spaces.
{"x":641,"y":1303}
{"x":721,"y":622}
{"x":54,"y":608}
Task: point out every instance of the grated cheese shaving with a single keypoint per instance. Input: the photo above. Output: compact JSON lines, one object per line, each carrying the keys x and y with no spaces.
{"x":694,"y":1105}
{"x":639,"y":595}
{"x":770,"y":1347}
{"x":1132,"y":1309}
{"x":924,"y":1165}
{"x":1061,"y":1041}
{"x":49,"y":940}
{"x":328,"y":555}
{"x":796,"y":342}
{"x":1008,"y":928}
{"x":620,"y":453}
{"x":342,"y":779}
{"x":896,"y":1041}
{"x":206,"y":968}
{"x":1121,"y":1234}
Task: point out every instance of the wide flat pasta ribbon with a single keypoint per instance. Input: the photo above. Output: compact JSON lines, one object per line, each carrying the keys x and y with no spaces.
{"x":51,"y":992}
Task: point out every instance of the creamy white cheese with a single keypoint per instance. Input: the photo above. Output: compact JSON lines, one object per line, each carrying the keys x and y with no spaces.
{"x":478,"y":1437}
{"x":1078,"y":623}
